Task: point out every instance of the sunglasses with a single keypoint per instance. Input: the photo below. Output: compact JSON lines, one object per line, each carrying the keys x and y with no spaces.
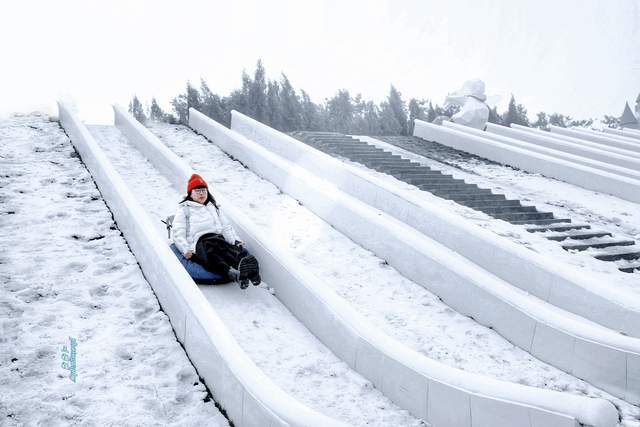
{"x":199,"y":190}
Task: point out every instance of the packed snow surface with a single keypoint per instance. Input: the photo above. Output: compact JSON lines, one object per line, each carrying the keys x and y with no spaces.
{"x":67,"y":273}
{"x":275,"y":340}
{"x":399,"y":307}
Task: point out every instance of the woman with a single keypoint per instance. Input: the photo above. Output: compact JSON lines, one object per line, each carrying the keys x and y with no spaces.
{"x":203,"y":234}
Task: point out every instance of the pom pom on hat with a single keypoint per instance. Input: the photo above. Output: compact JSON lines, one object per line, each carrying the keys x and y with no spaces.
{"x":196,"y":181}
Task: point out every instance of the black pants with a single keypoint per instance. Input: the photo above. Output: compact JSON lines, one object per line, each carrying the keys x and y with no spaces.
{"x":217,"y":255}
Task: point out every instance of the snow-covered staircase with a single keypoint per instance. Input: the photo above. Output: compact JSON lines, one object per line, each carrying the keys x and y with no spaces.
{"x":573,"y":237}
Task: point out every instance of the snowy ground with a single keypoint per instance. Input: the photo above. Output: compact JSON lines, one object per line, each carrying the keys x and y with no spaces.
{"x":280,"y":345}
{"x":601,"y":211}
{"x":65,"y":271}
{"x":396,"y":305}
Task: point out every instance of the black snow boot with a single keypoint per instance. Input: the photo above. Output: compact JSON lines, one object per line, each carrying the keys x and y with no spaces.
{"x":235,"y":276}
{"x":249,"y":269}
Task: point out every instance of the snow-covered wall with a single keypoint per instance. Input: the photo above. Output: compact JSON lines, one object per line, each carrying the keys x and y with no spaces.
{"x":543,"y":277}
{"x":597,"y":159}
{"x":573,"y":173}
{"x":436,"y":268}
{"x":615,"y":137}
{"x":249,"y":397}
{"x":603,"y":139}
{"x":629,"y":133}
{"x":422,"y":260}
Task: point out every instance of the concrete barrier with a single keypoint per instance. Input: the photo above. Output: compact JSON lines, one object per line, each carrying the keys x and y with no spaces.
{"x":622,"y":165}
{"x":249,"y":397}
{"x":552,"y":281}
{"x":579,"y":142}
{"x":460,"y":283}
{"x":573,"y":173}
{"x":600,"y":139}
{"x":400,"y":373}
{"x":629,"y":133}
{"x":465,"y":240}
{"x":616,"y":137}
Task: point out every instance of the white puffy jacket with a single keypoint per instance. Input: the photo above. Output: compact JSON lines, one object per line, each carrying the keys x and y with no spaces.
{"x":203,"y":219}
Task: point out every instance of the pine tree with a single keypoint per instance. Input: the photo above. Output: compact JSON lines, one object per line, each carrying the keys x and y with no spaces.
{"x":416,"y":111}
{"x":389,"y":124}
{"x":494,"y":116}
{"x":274,"y":108}
{"x":340,"y":112}
{"x":372,"y":119}
{"x":258,"y":94}
{"x":291,"y":109}
{"x":180,"y":107}
{"x":560,"y":120}
{"x":212,"y":105}
{"x":516,"y":113}
{"x":398,"y":109}
{"x":638,"y":107}
{"x":193,"y":98}
{"x":542,"y":121}
{"x":311,"y":119}
{"x":431,"y":113}
{"x":155,"y":112}
{"x":137,"y":110}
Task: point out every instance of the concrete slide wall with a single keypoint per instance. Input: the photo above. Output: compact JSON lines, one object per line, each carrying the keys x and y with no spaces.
{"x":426,"y":262}
{"x":623,"y":165}
{"x":573,"y":173}
{"x":580,"y":142}
{"x":629,"y":133}
{"x":248,"y":396}
{"x":400,"y":373}
{"x":493,"y":297}
{"x":535,"y":274}
{"x":603,"y":139}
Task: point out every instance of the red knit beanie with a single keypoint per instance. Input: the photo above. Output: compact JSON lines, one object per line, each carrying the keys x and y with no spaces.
{"x":196,"y":181}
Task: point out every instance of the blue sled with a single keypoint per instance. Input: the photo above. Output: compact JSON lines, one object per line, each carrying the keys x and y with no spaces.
{"x":197,"y":272}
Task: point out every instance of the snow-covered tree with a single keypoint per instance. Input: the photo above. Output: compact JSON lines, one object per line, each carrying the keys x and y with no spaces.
{"x":516,"y":113}
{"x":258,"y":94}
{"x":155,"y":112}
{"x":274,"y":107}
{"x":416,"y":111}
{"x":396,"y":104}
{"x":212,"y":105}
{"x":542,"y":121}
{"x":137,"y":110}
{"x":290,"y":104}
{"x":340,"y":112}
{"x":311,"y":115}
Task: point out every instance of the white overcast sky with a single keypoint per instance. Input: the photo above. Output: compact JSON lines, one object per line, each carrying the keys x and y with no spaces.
{"x":578,"y":57}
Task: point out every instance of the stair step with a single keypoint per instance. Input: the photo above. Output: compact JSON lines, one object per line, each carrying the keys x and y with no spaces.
{"x":491,"y":210}
{"x":419,"y":180}
{"x":621,"y":253}
{"x":446,"y":187}
{"x":381,"y":156}
{"x":541,"y":221}
{"x":491,"y":203}
{"x":631,"y":268}
{"x":597,"y":245}
{"x":578,"y":235}
{"x":534,"y":216}
{"x":558,"y":227}
{"x":478,"y":198}
{"x":385,"y":162}
{"x":461,"y":192}
{"x":416,"y":172}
